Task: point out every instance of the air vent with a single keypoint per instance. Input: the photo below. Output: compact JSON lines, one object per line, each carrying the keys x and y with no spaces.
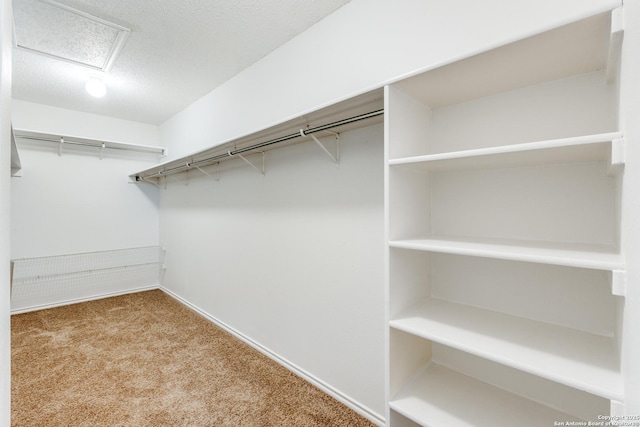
{"x":58,"y":31}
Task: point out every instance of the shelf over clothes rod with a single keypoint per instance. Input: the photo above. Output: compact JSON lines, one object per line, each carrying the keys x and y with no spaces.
{"x":64,"y":140}
{"x":332,"y":119}
{"x":182,"y":165}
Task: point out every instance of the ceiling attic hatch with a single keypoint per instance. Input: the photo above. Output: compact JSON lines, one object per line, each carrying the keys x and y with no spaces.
{"x":60,"y":32}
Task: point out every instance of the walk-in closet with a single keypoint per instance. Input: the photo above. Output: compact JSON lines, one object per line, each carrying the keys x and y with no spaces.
{"x":394,"y":213}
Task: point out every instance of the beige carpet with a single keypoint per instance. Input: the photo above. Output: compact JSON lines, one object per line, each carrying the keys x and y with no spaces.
{"x":146,"y":360}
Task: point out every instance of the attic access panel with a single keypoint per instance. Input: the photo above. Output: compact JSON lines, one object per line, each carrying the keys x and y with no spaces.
{"x":60,"y":32}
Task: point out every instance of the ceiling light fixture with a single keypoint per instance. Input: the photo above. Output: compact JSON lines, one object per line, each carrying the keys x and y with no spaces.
{"x":95,"y":87}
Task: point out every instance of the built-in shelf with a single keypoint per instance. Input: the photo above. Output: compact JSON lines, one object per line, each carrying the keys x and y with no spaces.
{"x":438,"y":396}
{"x":587,"y":148}
{"x":69,"y":141}
{"x":505,"y":189}
{"x":576,"y":48}
{"x":358,"y":111}
{"x":575,"y":358}
{"x":583,"y":256}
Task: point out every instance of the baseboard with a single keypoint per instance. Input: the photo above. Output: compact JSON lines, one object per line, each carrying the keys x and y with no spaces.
{"x":336,"y":394}
{"x":83,"y":299}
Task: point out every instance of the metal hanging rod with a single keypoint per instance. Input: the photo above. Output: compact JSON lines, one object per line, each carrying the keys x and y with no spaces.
{"x":84,"y":144}
{"x":301,"y":133}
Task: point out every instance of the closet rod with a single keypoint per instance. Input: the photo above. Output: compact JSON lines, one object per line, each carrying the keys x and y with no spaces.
{"x":298,"y":134}
{"x":67,"y":142}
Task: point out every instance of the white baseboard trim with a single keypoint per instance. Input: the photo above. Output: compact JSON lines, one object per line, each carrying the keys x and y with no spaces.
{"x":83,"y":299}
{"x":336,"y":394}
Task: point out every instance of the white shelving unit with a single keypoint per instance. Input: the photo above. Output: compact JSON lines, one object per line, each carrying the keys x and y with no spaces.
{"x":506,"y":278}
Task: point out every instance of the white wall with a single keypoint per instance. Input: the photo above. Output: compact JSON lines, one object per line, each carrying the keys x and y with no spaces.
{"x":5,"y":199}
{"x":77,"y":202}
{"x":292,"y":259}
{"x":54,"y":120}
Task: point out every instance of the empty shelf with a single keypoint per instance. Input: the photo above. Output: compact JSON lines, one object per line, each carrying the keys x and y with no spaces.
{"x":586,"y":148}
{"x":575,"y":358}
{"x":438,"y":396}
{"x":583,"y":256}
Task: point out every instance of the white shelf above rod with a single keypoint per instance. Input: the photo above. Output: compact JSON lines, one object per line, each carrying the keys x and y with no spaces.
{"x":86,"y":142}
{"x":181,"y":166}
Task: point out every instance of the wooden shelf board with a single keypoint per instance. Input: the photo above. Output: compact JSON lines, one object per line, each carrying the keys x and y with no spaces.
{"x":438,"y":396}
{"x":587,"y":148}
{"x":582,"y":256}
{"x":575,"y":358}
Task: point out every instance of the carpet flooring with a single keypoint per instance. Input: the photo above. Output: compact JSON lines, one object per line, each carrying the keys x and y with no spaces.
{"x":146,"y":360}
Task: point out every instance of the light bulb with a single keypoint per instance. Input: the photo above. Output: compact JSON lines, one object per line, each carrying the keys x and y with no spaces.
{"x":95,"y":87}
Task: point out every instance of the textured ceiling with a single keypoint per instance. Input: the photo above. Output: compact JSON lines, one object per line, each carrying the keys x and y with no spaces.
{"x":177,"y":51}
{"x":65,"y":34}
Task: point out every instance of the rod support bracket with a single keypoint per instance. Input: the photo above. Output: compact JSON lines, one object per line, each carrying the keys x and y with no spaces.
{"x":335,"y":157}
{"x":250,"y":163}
{"x":217,"y":178}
